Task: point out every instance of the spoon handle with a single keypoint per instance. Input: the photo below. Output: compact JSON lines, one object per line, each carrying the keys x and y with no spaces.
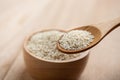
{"x":106,"y":27}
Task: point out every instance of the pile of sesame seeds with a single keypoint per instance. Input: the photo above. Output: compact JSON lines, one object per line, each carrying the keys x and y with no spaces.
{"x":76,"y":40}
{"x":44,"y":45}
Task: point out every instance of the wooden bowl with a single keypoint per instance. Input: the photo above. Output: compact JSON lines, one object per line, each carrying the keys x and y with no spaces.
{"x":41,"y":69}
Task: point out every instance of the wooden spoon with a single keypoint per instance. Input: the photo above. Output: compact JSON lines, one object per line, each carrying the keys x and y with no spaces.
{"x":98,"y":30}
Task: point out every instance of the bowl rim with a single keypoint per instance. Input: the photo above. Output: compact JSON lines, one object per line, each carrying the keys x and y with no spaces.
{"x":83,"y":54}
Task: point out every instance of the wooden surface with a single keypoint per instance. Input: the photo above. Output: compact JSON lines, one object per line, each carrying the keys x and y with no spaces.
{"x":19,"y":17}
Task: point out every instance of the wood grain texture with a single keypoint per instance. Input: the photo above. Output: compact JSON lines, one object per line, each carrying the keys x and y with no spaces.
{"x":19,"y":17}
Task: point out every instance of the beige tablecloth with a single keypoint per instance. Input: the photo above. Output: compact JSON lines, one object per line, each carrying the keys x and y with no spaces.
{"x":19,"y":17}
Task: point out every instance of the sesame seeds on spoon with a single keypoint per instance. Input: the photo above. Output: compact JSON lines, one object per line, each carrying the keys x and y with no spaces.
{"x":76,"y":40}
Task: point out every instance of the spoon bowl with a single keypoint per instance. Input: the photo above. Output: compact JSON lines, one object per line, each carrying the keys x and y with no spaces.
{"x":99,"y":31}
{"x":93,"y":30}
